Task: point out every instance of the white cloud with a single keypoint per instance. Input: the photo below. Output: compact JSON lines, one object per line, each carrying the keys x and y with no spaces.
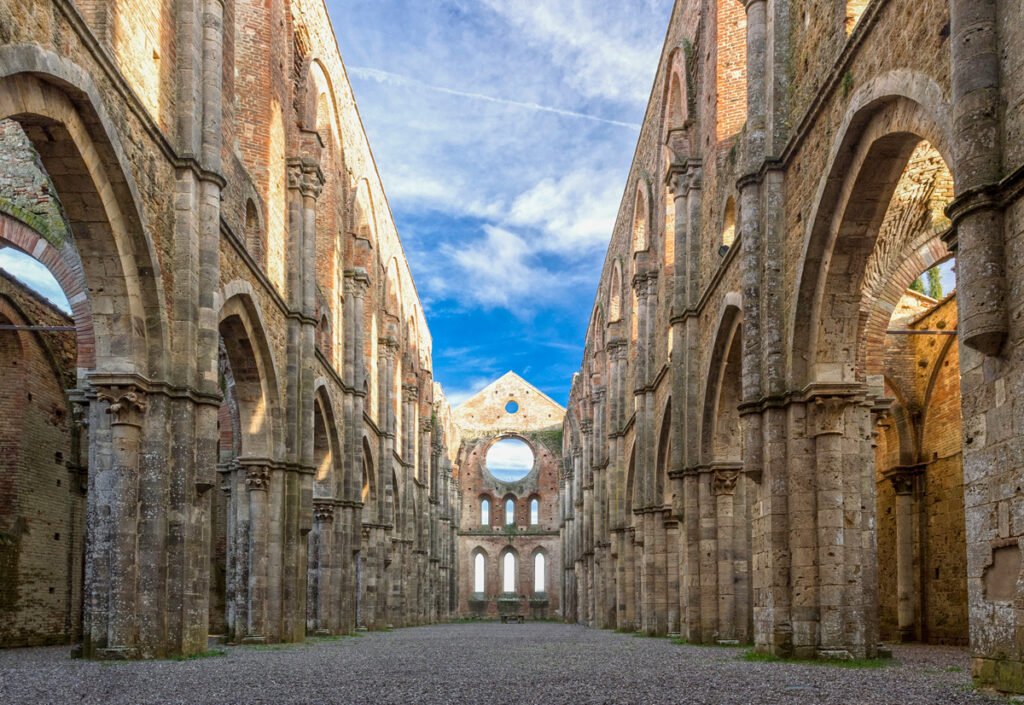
{"x":509,"y":459}
{"x":576,"y":211}
{"x":34,"y":275}
{"x":602,"y":51}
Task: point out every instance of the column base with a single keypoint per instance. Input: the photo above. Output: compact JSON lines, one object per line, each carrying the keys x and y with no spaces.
{"x":117,"y":653}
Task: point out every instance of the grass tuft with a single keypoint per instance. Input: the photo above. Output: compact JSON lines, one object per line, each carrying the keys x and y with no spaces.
{"x":856,"y":663}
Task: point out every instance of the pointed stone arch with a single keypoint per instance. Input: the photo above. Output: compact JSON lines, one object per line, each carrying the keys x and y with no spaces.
{"x":254,"y":372}
{"x":62,"y":114}
{"x":887,"y":118}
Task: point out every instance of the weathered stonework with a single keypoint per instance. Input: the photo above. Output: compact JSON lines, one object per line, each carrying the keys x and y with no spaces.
{"x":265,"y":444}
{"x":536,"y":420}
{"x":736,"y":366}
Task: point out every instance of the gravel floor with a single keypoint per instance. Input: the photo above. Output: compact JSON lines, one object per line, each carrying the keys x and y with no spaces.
{"x":541,"y":663}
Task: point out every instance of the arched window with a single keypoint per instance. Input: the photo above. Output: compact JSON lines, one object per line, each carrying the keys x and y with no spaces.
{"x":640,"y":221}
{"x":485,"y":512}
{"x":253,"y":235}
{"x":670,"y":228}
{"x":508,"y":573}
{"x":539,"y":578}
{"x":615,"y":297}
{"x":510,"y":511}
{"x":534,"y":512}
{"x":729,"y":225}
{"x":478,"y":572}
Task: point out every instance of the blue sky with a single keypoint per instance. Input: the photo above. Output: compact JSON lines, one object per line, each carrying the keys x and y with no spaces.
{"x":503,"y":131}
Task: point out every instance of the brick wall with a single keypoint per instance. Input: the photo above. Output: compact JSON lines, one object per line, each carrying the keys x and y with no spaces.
{"x":923,"y":373}
{"x":41,"y":503}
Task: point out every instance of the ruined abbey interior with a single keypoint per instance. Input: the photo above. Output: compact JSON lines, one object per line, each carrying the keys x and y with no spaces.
{"x":777,"y":437}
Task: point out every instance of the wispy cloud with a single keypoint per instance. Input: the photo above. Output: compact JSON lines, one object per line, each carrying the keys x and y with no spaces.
{"x":499,"y":270}
{"x":604,"y":52}
{"x":503,"y":131}
{"x":574,"y":211}
{"x":399,"y":80}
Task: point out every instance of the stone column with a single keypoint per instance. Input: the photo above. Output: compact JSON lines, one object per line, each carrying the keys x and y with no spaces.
{"x":725,"y":489}
{"x":829,"y":421}
{"x":977,"y":215}
{"x":323,"y":538}
{"x":113,"y":525}
{"x":903,"y":484}
{"x":257,"y":482}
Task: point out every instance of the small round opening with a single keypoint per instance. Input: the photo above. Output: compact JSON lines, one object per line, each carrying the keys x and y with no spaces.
{"x":512,"y":407}
{"x":510,"y":459}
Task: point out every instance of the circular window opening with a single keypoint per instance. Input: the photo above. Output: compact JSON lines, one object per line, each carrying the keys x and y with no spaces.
{"x":512,"y":407}
{"x":510,"y":459}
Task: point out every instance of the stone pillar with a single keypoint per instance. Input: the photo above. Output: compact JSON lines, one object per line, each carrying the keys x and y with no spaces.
{"x":977,"y":233}
{"x":691,"y":571}
{"x":828,"y":440}
{"x":113,"y":523}
{"x":725,"y":489}
{"x":903,"y":484}
{"x":629,"y":580}
{"x":257,"y":482}
{"x":323,"y":538}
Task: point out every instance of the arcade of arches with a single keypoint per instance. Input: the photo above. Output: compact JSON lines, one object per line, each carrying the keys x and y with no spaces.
{"x":779,"y":435}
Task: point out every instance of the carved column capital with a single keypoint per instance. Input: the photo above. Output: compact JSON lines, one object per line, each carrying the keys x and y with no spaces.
{"x":725,"y":481}
{"x":902,"y":477}
{"x":305,"y":176}
{"x":357,"y":281}
{"x":323,"y":511}
{"x":80,"y":414}
{"x":676,"y":181}
{"x":902,"y":484}
{"x":257,"y":477}
{"x":828,"y":415}
{"x":127,"y":405}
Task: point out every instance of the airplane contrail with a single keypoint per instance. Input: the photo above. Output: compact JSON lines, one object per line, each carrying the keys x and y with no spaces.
{"x":398,"y":79}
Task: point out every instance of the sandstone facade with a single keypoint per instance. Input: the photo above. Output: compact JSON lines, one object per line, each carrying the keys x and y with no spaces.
{"x":800,"y":163}
{"x":509,"y":408}
{"x":262,"y":438}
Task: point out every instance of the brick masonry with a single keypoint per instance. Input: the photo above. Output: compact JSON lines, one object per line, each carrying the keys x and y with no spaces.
{"x":867,"y":133}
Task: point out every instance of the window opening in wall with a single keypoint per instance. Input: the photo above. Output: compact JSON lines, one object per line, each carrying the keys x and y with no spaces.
{"x":512,"y":407}
{"x":510,"y":511}
{"x":854,"y":9}
{"x":485,"y":512}
{"x":509,"y":573}
{"x":478,"y":572}
{"x":534,"y":512}
{"x":538,"y":573}
{"x":510,"y":459}
{"x":728,"y":227}
{"x":640,"y":223}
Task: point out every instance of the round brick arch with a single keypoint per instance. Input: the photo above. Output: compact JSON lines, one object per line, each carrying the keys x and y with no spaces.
{"x":887,"y":119}
{"x":60,"y":110}
{"x":66,"y":267}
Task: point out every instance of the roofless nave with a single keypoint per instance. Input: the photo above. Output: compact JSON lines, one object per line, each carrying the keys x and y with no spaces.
{"x":771,"y":440}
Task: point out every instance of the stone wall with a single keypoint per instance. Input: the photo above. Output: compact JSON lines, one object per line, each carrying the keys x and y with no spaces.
{"x":225,"y":219}
{"x":859,"y":120}
{"x":484,"y":419}
{"x":42,"y":522}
